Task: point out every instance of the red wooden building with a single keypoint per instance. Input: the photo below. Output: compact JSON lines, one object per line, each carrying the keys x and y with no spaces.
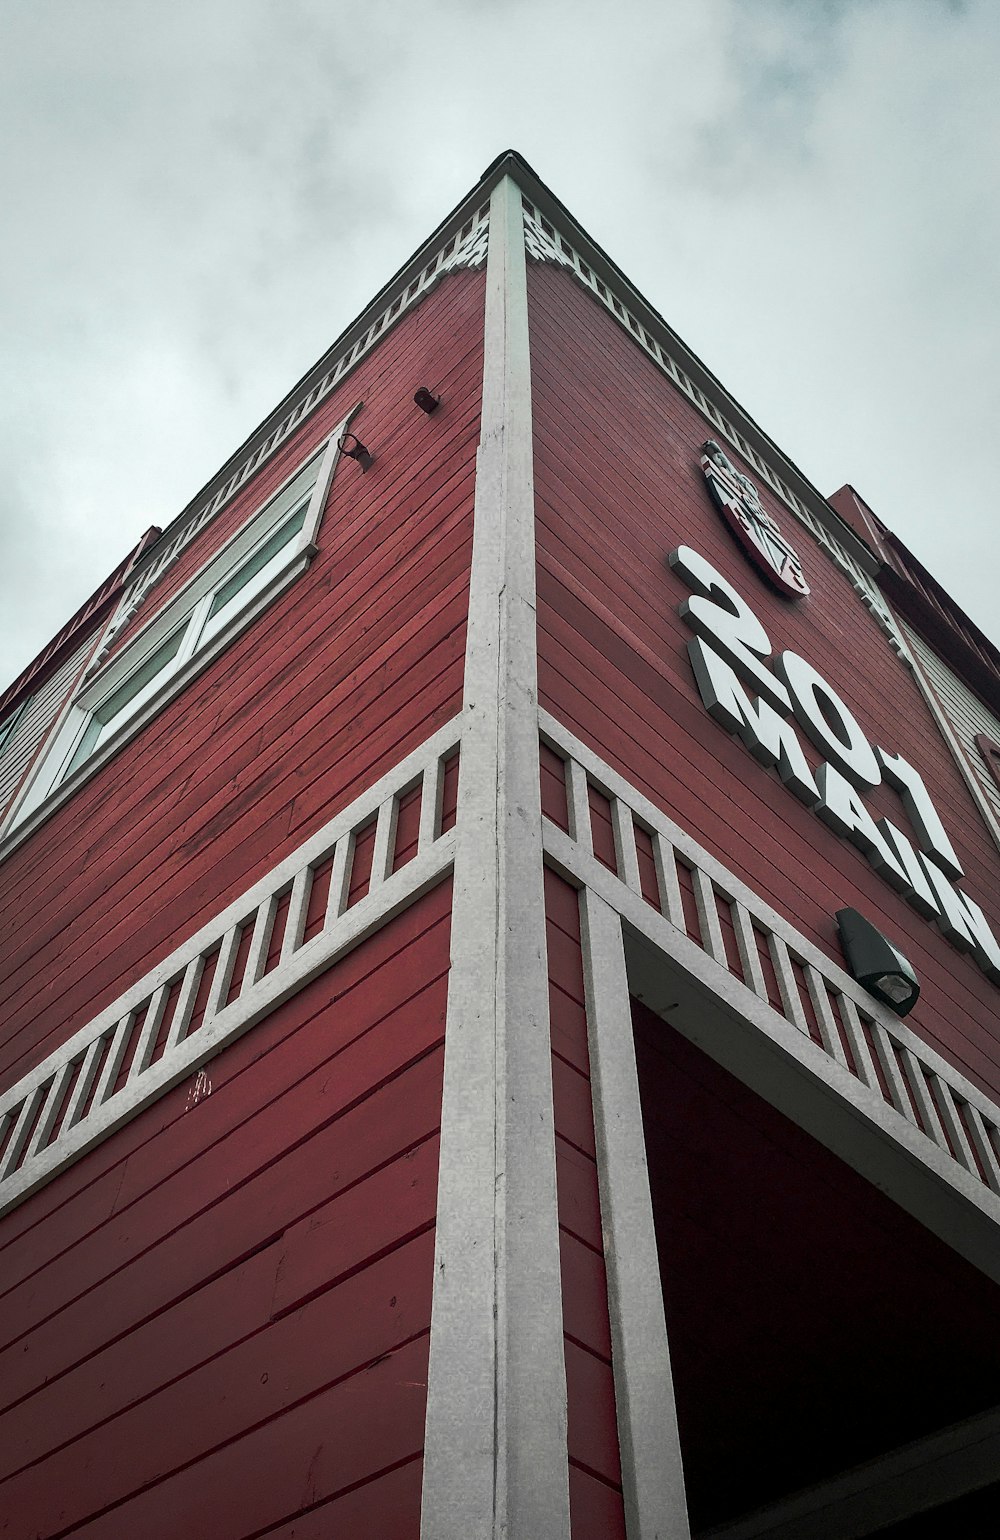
{"x":435,"y":1099}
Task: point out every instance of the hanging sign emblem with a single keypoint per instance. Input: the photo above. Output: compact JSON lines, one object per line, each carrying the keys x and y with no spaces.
{"x":737,"y":500}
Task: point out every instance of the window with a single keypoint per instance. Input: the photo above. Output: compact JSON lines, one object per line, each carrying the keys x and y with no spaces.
{"x":237,"y":583}
{"x":9,"y":723}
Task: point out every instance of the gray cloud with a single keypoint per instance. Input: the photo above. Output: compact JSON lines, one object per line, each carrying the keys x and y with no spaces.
{"x":203,"y":195}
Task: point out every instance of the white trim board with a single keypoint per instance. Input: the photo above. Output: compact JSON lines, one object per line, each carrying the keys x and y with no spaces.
{"x":495,"y":1456}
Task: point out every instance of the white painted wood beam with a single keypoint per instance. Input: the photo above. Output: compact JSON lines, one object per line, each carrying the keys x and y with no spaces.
{"x":652,"y":1475}
{"x":495,"y":1461}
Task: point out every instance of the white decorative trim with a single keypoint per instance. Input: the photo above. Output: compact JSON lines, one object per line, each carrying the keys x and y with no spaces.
{"x":943,"y":1165}
{"x":652,"y":1473}
{"x":546,"y":244}
{"x":495,"y":1456}
{"x":29,"y":1112}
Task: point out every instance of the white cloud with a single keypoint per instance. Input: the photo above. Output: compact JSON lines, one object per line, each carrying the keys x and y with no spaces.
{"x":205,"y":194}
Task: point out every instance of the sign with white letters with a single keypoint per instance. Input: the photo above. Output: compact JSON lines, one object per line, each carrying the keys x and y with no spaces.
{"x":730,"y":655}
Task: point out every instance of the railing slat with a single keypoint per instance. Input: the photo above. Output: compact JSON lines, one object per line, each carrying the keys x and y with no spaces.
{"x":746,"y":945}
{"x":626,"y":854}
{"x":22,"y":1129}
{"x":578,"y":806}
{"x":113,"y":1062}
{"x":340,"y":880}
{"x":824,"y":1015}
{"x":708,"y":917}
{"x":890,"y":1068}
{"x":259,"y":942}
{"x":84,"y":1081}
{"x":298,"y":904}
{"x":665,"y":861}
{"x":223,"y":975}
{"x":385,"y":841}
{"x":979,"y":1134}
{"x":431,"y":793}
{"x":787,"y":986}
{"x":51,"y":1110}
{"x":855,"y":1034}
{"x":921,"y":1095}
{"x":948,"y":1113}
{"x":150,"y":1028}
{"x":184,"y":1008}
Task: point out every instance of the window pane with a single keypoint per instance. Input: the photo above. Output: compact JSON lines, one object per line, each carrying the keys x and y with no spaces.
{"x":259,"y":560}
{"x":138,"y":685}
{"x":9,"y":723}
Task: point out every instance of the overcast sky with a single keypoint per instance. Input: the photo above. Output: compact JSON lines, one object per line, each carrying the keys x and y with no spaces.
{"x":199,"y":196}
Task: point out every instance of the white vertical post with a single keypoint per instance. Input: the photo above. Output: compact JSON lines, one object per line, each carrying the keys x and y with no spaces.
{"x":495,"y":1461}
{"x":652,"y":1475}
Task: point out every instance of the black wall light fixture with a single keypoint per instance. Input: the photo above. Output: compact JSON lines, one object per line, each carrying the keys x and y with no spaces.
{"x":426,"y":400}
{"x":876,"y":964}
{"x":356,"y":450}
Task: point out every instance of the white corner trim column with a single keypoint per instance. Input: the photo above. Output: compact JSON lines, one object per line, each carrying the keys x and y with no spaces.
{"x":495,"y":1461}
{"x":652,"y":1474}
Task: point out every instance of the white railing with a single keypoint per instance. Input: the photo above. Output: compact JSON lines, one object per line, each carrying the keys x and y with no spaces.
{"x":238,"y":967}
{"x":739,"y":932}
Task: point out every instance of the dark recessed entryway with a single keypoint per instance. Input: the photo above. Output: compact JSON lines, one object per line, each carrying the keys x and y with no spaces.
{"x":813,"y":1324}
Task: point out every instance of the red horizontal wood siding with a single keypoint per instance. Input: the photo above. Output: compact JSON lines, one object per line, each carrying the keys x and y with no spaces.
{"x":596,"y":1505}
{"x":218,"y":1320}
{"x":346,"y":672}
{"x":618,"y":485}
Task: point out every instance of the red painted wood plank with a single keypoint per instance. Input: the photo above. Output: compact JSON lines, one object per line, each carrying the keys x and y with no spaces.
{"x":336,"y":1336}
{"x":387,"y":1505}
{"x":169,"y":1344}
{"x":596,"y":1508}
{"x":568,"y":1026}
{"x":613,"y":654}
{"x":400,"y":576}
{"x":199,"y":813}
{"x":71,"y":1312}
{"x":315,"y":1451}
{"x":576,"y":1186}
{"x":396,"y":1201}
{"x":348,"y":1234}
{"x":585,"y":1296}
{"x":574,"y":1118}
{"x":592,"y":1429}
{"x":244,"y":1082}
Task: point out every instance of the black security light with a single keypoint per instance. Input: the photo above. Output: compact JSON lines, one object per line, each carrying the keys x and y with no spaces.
{"x":876,"y":964}
{"x":356,"y":450}
{"x":427,"y":401}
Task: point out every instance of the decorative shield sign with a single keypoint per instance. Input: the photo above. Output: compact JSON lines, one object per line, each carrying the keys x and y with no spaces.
{"x":737,"y":500}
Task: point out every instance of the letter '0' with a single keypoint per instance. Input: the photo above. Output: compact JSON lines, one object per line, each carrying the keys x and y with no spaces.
{"x":828,"y":722}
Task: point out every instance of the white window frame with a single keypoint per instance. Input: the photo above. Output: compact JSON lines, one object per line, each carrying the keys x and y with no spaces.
{"x":55,"y":778}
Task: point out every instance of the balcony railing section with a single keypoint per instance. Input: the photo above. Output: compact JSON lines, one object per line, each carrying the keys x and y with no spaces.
{"x":312,"y":908}
{"x":657,"y":872}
